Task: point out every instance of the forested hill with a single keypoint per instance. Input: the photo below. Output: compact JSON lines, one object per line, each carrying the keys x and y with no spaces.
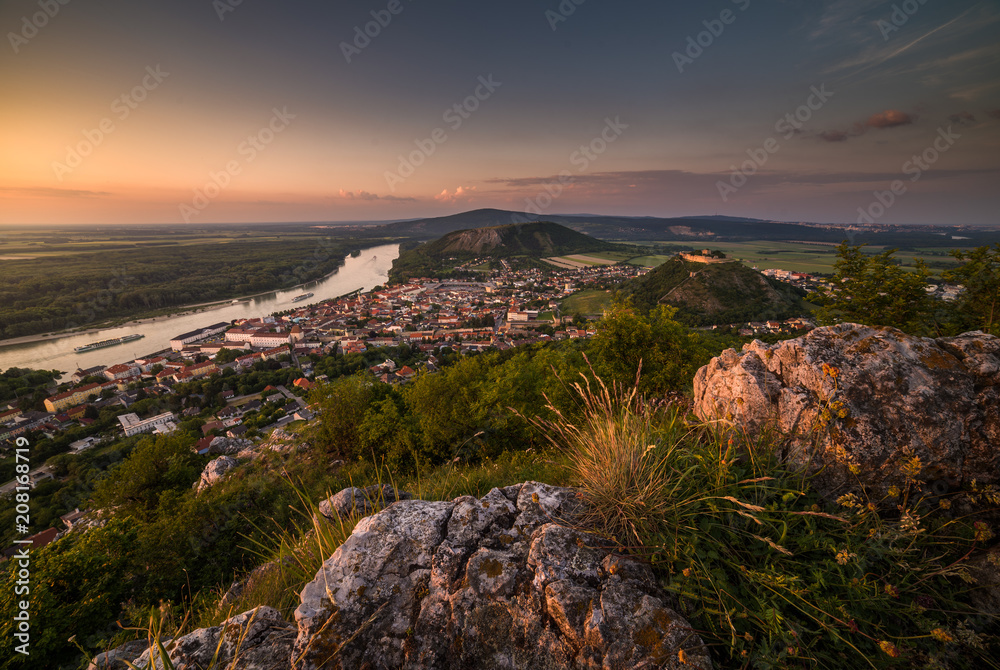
{"x":700,"y":228}
{"x":532,"y":240}
{"x":714,"y":294}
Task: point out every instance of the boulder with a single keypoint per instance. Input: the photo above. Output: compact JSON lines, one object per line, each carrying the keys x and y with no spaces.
{"x":215,"y":471}
{"x":227,"y":446}
{"x":362,"y":502}
{"x":496,"y":582}
{"x":115,"y":659}
{"x":867,"y":407}
{"x":256,"y":640}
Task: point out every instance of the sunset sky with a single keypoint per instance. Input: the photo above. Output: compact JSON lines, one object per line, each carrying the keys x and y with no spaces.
{"x":200,"y":78}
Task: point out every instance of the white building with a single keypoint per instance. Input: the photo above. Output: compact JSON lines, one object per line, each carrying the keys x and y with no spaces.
{"x":265,"y":340}
{"x":133,"y":425}
{"x":177,"y":343}
{"x":527,"y":315}
{"x":239,"y":334}
{"x":84,"y":444}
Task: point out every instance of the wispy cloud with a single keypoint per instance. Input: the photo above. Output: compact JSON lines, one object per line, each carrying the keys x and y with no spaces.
{"x":890,"y":118}
{"x":963,"y":118}
{"x":366,"y":195}
{"x":46,"y":192}
{"x":653,"y":181}
{"x":875,"y":56}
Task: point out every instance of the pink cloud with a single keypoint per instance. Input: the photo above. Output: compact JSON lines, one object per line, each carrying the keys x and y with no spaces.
{"x":365,"y":195}
{"x":890,"y":118}
{"x":461,"y":193}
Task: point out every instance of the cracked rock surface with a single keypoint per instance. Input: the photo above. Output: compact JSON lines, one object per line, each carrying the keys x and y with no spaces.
{"x":497,"y":582}
{"x":900,"y":397}
{"x":256,"y":640}
{"x":215,"y":471}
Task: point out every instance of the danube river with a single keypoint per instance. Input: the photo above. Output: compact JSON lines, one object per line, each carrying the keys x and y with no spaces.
{"x":368,"y":270}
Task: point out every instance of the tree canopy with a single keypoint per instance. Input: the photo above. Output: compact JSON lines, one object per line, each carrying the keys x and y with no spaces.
{"x":979,"y":304}
{"x":874,"y":290}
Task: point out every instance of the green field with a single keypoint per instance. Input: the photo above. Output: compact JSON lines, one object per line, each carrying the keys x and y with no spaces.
{"x":801,"y":257}
{"x":49,"y":243}
{"x":587,"y":302}
{"x":615,"y":256}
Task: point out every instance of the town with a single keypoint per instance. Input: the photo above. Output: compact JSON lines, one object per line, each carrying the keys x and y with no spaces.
{"x":425,"y":318}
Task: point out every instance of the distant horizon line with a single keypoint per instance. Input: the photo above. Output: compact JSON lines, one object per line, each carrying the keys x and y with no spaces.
{"x":385,"y":222}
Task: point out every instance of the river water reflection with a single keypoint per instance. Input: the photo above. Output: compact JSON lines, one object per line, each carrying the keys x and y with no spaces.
{"x":365,"y":272}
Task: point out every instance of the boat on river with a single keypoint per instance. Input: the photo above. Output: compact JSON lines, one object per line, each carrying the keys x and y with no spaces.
{"x":107,"y":343}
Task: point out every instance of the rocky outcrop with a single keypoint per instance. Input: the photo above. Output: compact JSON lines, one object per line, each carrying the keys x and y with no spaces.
{"x":361,"y":502}
{"x":228,"y":446}
{"x":496,"y":582}
{"x":215,"y":471}
{"x":116,"y":658}
{"x":256,"y":640}
{"x":859,"y":404}
{"x":281,"y":442}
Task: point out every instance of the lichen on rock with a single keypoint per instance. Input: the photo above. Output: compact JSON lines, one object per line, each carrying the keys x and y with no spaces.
{"x":867,"y":407}
{"x":502,"y":581}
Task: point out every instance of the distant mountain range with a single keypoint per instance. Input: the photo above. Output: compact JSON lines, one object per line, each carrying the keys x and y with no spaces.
{"x":695,"y":229}
{"x":530,"y":240}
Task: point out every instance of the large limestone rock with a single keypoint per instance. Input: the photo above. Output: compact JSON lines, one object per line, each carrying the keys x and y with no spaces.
{"x":115,"y":659}
{"x":497,"y":582}
{"x":892,"y":397}
{"x":215,"y":471}
{"x":362,"y":502}
{"x":228,"y":446}
{"x":256,"y":640}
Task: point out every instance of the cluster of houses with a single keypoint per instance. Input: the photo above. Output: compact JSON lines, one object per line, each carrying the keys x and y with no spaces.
{"x":509,"y":308}
{"x":796,"y":325}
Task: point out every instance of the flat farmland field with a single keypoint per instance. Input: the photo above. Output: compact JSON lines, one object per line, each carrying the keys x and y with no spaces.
{"x":804,"y":257}
{"x":611,"y":256}
{"x":591,"y":301}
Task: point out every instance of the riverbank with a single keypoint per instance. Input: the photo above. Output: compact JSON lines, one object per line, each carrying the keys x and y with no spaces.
{"x":52,"y":337}
{"x":184,"y":310}
{"x":56,"y":351}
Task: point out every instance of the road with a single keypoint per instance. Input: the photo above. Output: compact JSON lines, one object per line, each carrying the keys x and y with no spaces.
{"x":9,"y":487}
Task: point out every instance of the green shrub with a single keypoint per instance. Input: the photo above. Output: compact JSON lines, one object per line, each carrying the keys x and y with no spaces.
{"x":766,"y":574}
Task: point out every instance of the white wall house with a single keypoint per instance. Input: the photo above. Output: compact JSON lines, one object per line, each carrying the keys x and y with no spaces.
{"x":133,"y":425}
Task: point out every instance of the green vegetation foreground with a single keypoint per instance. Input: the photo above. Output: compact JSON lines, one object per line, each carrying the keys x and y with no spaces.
{"x":769,"y":574}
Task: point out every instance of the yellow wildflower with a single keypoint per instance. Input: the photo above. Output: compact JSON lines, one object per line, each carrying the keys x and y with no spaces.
{"x":844,"y":557}
{"x":889,"y":648}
